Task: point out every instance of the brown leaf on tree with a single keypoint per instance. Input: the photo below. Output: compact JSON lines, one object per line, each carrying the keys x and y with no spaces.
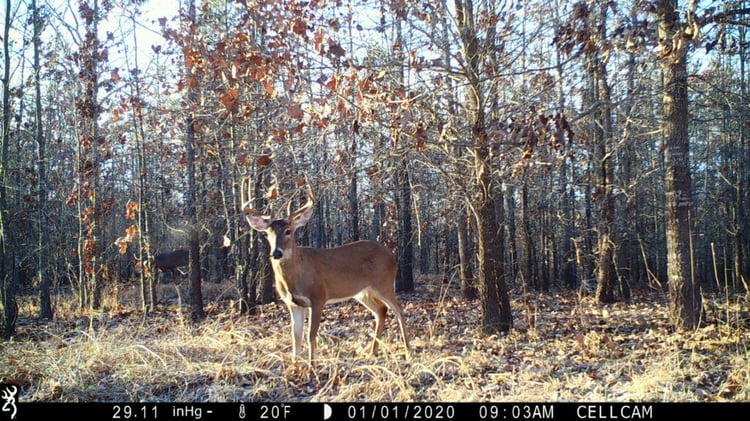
{"x":333,"y":83}
{"x":192,"y":58}
{"x":229,"y":99}
{"x":130,"y":209}
{"x":255,"y":60}
{"x":299,"y":26}
{"x":335,"y":49}
{"x":243,"y":159}
{"x":279,"y":135}
{"x":131,"y":231}
{"x":295,"y":111}
{"x":264,"y":161}
{"x":421,"y":135}
{"x":270,"y":88}
{"x":72,"y":199}
{"x":107,"y":205}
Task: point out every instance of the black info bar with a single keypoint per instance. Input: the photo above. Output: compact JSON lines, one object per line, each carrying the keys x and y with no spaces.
{"x":186,"y":411}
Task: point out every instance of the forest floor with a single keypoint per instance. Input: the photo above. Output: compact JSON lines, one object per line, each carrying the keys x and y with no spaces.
{"x":562,"y":348}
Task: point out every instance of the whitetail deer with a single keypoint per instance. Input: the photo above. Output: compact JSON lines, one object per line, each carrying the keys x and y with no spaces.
{"x":171,"y":260}
{"x":308,"y":278}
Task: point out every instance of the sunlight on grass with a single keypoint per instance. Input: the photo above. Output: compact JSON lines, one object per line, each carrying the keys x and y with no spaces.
{"x":574,"y":352}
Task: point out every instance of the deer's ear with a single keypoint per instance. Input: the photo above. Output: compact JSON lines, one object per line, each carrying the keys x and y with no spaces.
{"x":257,"y":223}
{"x":300,"y":218}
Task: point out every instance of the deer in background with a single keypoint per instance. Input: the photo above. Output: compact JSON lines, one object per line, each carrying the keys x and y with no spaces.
{"x":308,"y":278}
{"x":171,"y":260}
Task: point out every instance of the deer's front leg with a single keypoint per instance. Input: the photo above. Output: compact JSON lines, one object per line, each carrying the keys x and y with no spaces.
{"x":298,"y":320}
{"x":316,"y":312}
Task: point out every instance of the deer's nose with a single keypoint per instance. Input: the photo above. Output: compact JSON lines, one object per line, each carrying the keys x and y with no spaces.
{"x":277,"y":254}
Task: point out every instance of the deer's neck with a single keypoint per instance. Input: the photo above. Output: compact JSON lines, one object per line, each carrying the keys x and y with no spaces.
{"x":288,"y":272}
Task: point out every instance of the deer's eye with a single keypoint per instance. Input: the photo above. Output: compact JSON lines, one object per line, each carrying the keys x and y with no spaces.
{"x":287,"y":232}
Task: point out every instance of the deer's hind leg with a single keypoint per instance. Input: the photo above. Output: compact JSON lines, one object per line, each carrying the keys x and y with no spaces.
{"x":379,"y":310}
{"x":392,"y":302}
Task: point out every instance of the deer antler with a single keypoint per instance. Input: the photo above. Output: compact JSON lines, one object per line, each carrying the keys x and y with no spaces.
{"x":247,"y":201}
{"x":306,"y":206}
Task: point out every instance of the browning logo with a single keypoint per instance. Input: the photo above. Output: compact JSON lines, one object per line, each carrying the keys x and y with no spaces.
{"x":8,"y":394}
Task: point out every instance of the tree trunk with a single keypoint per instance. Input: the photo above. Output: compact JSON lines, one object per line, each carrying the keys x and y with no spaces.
{"x":353,"y":199}
{"x":7,"y":277}
{"x":607,"y":273}
{"x":630,"y":250}
{"x":45,"y":302}
{"x":405,"y":249}
{"x":468,"y":289}
{"x":569,"y":274}
{"x":147,"y":281}
{"x":89,"y":203}
{"x":528,"y":273}
{"x":585,"y":251}
{"x":740,"y":240}
{"x":512,"y":241}
{"x":597,"y":96}
{"x":685,"y":299}
{"x":496,"y":313}
{"x":262,"y":275}
{"x":196,"y":295}
{"x":263,"y":278}
{"x":629,"y":247}
{"x":743,"y":176}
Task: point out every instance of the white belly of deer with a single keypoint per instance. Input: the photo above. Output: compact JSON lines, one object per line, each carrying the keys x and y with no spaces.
{"x":301,"y":299}
{"x":338,"y":300}
{"x":356,"y":296}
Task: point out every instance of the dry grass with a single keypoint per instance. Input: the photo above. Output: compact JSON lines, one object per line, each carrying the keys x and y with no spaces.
{"x":562,"y":349}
